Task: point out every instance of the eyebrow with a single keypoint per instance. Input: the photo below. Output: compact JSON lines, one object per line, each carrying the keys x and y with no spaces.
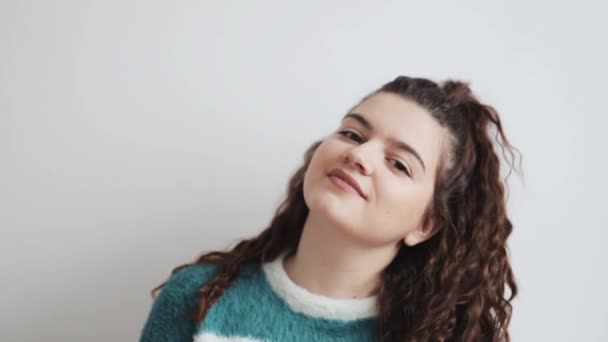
{"x":397,"y":143}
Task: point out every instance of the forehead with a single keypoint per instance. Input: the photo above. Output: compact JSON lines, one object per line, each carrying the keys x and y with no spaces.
{"x":393,"y":116}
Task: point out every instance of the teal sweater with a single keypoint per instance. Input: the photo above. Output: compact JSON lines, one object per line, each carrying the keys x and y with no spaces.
{"x":262,"y":304}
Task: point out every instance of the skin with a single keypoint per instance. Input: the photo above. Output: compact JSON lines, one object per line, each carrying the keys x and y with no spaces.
{"x":347,"y":239}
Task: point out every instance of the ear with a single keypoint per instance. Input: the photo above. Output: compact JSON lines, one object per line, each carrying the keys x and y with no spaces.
{"x":424,"y":231}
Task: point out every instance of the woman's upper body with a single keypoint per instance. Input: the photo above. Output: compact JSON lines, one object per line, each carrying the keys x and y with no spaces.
{"x":262,"y":304}
{"x":403,"y":202}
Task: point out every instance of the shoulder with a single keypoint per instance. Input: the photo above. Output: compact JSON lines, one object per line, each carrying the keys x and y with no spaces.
{"x":171,"y":316}
{"x":189,"y":280}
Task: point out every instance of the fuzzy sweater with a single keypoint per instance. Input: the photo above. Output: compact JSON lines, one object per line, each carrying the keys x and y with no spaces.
{"x":262,"y":304}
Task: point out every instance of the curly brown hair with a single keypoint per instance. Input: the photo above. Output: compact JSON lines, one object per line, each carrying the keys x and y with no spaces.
{"x":451,"y":287}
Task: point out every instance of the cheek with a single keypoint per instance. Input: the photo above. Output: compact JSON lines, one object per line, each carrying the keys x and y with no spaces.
{"x":403,"y":204}
{"x":325,"y":157}
{"x":319,"y":164}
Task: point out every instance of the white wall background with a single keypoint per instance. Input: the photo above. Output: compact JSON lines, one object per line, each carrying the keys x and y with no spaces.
{"x":136,"y":134}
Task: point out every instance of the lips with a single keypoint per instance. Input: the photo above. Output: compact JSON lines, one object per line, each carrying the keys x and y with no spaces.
{"x":338,"y":172}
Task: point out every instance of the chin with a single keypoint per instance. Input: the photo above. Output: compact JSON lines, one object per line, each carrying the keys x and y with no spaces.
{"x":335,"y":209}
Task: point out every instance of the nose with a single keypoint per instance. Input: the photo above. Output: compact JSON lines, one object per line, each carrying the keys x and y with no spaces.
{"x":358,"y":160}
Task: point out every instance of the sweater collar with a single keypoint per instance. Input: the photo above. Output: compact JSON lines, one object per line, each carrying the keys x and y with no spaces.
{"x":301,"y":300}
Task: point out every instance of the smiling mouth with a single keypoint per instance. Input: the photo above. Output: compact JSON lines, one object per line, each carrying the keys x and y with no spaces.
{"x":344,"y":185}
{"x":345,"y":181}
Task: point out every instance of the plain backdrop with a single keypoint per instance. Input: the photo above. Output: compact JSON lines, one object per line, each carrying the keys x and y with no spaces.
{"x":134,"y":135}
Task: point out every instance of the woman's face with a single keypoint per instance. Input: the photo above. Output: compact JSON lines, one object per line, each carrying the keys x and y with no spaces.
{"x":397,"y":182}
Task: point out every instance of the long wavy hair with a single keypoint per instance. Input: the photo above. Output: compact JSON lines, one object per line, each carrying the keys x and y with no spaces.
{"x":457,"y":285}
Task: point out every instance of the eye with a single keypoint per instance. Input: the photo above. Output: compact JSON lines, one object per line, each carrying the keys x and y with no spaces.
{"x":402,"y":168}
{"x":355,"y":137}
{"x":350,"y":135}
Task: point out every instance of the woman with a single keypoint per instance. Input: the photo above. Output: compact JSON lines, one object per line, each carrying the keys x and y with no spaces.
{"x":394,"y":229}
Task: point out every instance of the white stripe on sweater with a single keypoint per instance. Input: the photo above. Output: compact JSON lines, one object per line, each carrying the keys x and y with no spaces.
{"x":211,"y":337}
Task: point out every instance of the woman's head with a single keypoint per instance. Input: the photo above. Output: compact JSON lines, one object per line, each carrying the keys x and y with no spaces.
{"x":430,"y":184}
{"x":392,"y":147}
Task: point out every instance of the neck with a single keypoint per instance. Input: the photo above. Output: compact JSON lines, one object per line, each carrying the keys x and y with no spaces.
{"x":331,"y":263}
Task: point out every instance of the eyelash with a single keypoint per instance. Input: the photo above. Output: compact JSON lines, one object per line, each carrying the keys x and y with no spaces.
{"x":345,"y":132}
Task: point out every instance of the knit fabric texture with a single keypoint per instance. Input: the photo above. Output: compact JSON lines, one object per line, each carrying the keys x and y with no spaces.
{"x":262,"y":304}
